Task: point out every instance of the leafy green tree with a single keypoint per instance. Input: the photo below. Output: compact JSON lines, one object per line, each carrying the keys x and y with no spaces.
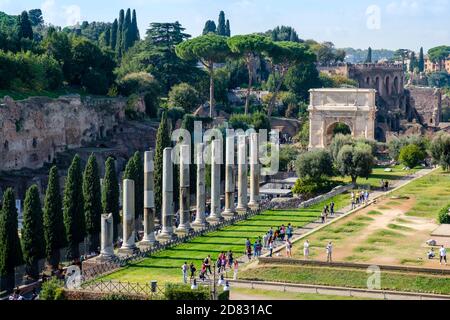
{"x":402,"y":54}
{"x":35,"y":17}
{"x":261,"y":121}
{"x":10,"y":249}
{"x":54,"y":231}
{"x":314,"y":165}
{"x":421,"y":62}
{"x":369,"y":56}
{"x":283,"y":33}
{"x":413,"y":64}
{"x":24,"y":29}
{"x":221,"y":26}
{"x":411,"y":155}
{"x":184,"y":96}
{"x":58,"y":45}
{"x":301,"y":78}
{"x":114,"y":31}
{"x":439,"y":79}
{"x":92,"y":202}
{"x":355,"y":161}
{"x":439,"y":55}
{"x":208,"y":49}
{"x":111,"y":194}
{"x":33,"y":242}
{"x":162,"y":141}
{"x":249,"y":47}
{"x":396,"y":144}
{"x":283,"y":56}
{"x":210,"y":27}
{"x":440,"y":150}
{"x":74,"y":220}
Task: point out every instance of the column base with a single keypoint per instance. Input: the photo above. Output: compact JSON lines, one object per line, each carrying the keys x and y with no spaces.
{"x":215,"y":220}
{"x":199,"y":225}
{"x":183,"y":231}
{"x":229,"y":214}
{"x":164,"y":237}
{"x":254,"y":206}
{"x":102,"y":258}
{"x":127,"y":251}
{"x":241,"y":210}
{"x":146,"y":244}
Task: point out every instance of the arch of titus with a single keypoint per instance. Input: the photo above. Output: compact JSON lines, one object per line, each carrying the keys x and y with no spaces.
{"x":328,"y":107}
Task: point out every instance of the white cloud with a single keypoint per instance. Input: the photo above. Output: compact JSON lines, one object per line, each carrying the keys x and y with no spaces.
{"x":60,"y":15}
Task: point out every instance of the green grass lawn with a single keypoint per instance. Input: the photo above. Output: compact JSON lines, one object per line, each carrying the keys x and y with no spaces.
{"x":348,"y":278}
{"x":379,"y":173}
{"x":260,"y":294}
{"x":166,"y":266}
{"x":24,"y":94}
{"x":432,"y":193}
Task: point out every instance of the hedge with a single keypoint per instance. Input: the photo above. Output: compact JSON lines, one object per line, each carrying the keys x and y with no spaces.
{"x":184,"y":292}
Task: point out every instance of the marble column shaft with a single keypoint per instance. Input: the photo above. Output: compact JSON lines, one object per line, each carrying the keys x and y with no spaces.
{"x":129,"y":231}
{"x":215,"y":215}
{"x":167,"y":231}
{"x":149,"y":199}
{"x":107,"y":231}
{"x":185,"y":223}
{"x":229,"y":177}
{"x":200,"y":219}
{"x":242,"y":174}
{"x":254,"y":171}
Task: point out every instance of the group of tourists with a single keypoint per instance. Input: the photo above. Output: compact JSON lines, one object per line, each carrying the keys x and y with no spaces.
{"x":442,"y":254}
{"x":359,"y":198}
{"x":328,"y":211}
{"x":328,"y":249}
{"x":384,"y":185}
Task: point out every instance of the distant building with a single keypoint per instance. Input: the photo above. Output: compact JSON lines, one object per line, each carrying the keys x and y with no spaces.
{"x":431,"y":66}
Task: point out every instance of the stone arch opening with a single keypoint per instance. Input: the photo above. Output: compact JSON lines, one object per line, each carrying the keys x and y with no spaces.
{"x":396,"y":85}
{"x":337,"y":128}
{"x":380,"y":135}
{"x":368,"y":81}
{"x":6,"y":145}
{"x":377,"y":85}
{"x":387,"y":85}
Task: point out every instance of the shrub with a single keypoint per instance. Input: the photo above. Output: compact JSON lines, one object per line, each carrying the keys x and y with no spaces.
{"x":240,"y":121}
{"x":224,"y":296}
{"x":184,"y":292}
{"x":139,"y":83}
{"x":184,"y":96}
{"x":411,"y":155}
{"x":444,"y":217}
{"x":52,"y":290}
{"x":261,"y":121}
{"x":311,"y":188}
{"x":314,"y":165}
{"x":288,"y":155}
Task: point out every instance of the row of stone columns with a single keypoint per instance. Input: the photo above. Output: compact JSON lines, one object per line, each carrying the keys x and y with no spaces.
{"x":167,"y":212}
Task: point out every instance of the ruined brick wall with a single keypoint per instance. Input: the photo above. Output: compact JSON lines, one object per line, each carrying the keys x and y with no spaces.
{"x":32,"y":131}
{"x":426,"y":102}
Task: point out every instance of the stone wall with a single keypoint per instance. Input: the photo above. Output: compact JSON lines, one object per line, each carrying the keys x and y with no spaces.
{"x":426,"y":102}
{"x":34,"y":130}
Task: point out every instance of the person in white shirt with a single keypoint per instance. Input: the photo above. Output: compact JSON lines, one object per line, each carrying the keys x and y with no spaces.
{"x":288,"y":249}
{"x":443,"y":254}
{"x":184,"y":269}
{"x":329,"y":252}
{"x":306,"y":249}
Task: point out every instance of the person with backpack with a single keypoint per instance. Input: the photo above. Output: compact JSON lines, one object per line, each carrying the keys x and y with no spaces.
{"x":207,"y":263}
{"x":193,"y":270}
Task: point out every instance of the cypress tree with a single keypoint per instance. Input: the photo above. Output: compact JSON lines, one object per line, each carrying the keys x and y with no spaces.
{"x":210,"y":27}
{"x":421,"y":62}
{"x":33,"y":244}
{"x":73,"y":209}
{"x":24,"y":28}
{"x":92,"y":203}
{"x":221,"y":28}
{"x":107,"y":37}
{"x":10,"y":249}
{"x":369,"y":55}
{"x":134,"y":171}
{"x":111,"y":194}
{"x":54,"y":231}
{"x":120,"y":33}
{"x":127,"y":33}
{"x":228,"y":29}
{"x":134,"y":23}
{"x":162,"y":141}
{"x":113,"y":40}
{"x":412,"y":62}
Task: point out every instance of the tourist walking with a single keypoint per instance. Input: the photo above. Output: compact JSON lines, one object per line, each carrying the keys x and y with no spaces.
{"x":288,"y":249}
{"x":236,"y":269}
{"x":266,"y":240}
{"x":184,"y":269}
{"x":270,"y":249}
{"x":329,"y":252}
{"x":207,"y":263}
{"x":323,"y":217}
{"x":443,"y":255}
{"x":332,"y":208}
{"x":193,"y":270}
{"x":249,"y":253}
{"x":306,"y":249}
{"x":289,"y":231}
{"x":382,"y":184}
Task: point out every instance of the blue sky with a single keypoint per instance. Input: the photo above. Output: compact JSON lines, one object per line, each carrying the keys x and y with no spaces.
{"x":389,"y":24}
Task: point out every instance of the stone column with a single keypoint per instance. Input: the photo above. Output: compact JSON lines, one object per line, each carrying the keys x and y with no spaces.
{"x":215,"y":215}
{"x":200,"y":219}
{"x":149,"y":202}
{"x":128,"y":212}
{"x":254,"y":172}
{"x":185,"y":192}
{"x":229,"y":211}
{"x":242,"y":175}
{"x":107,"y":231}
{"x":167,"y":198}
